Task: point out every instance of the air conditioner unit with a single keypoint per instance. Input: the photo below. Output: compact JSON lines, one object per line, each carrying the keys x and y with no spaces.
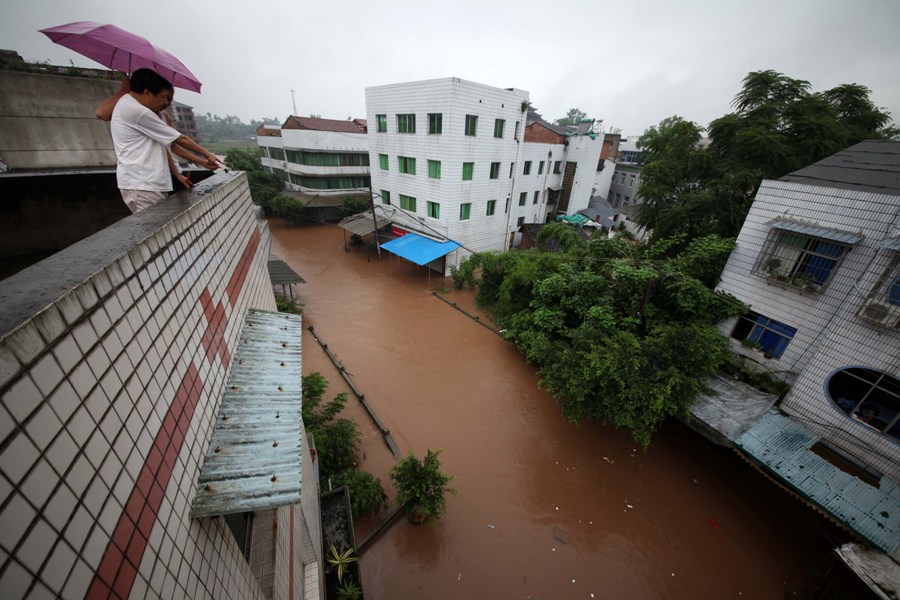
{"x":878,"y":311}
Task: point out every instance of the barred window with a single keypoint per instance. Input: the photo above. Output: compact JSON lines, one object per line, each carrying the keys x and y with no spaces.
{"x":882,"y":305}
{"x":800,"y":260}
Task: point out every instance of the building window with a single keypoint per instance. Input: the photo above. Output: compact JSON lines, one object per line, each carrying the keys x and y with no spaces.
{"x":491,"y":205}
{"x":762,"y":333}
{"x":523,"y":198}
{"x":627,"y":200}
{"x":435,"y":123}
{"x":631,"y":179}
{"x":556,"y":166}
{"x":495,"y":170}
{"x":537,"y":195}
{"x":263,"y":152}
{"x":868,"y":396}
{"x":241,"y":526}
{"x":408,"y":203}
{"x":471,"y":124}
{"x":512,"y":167}
{"x":800,"y":260}
{"x":276,"y":153}
{"x":882,"y":305}
{"x":465,"y":210}
{"x":406,"y":123}
{"x":434,"y":209}
{"x":385,"y":197}
{"x":506,"y":211}
{"x":527,"y":169}
{"x":541,"y":168}
{"x":381,"y":121}
{"x":618,"y":198}
{"x":520,"y":221}
{"x":498,"y":127}
{"x":468,"y":168}
{"x":434,"y":169}
{"x":407,"y":165}
{"x":516,"y":134}
{"x":383,"y":161}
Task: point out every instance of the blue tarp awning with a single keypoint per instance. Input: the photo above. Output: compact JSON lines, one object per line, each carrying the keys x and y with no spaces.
{"x":418,"y":249}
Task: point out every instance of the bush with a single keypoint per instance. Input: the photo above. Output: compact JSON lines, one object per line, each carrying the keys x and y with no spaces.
{"x":422,"y":486}
{"x":336,"y":439}
{"x":288,"y":305}
{"x":367,"y":496}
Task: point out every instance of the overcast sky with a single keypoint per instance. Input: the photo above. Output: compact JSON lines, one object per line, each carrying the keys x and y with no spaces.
{"x":628,"y":63}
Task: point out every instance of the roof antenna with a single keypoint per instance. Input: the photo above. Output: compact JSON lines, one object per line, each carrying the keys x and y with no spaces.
{"x":294,"y":102}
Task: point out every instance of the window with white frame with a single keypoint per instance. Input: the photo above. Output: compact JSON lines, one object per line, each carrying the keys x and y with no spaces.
{"x":406,"y":123}
{"x":759,"y":332}
{"x":381,"y":121}
{"x":868,"y":396}
{"x":882,"y":305}
{"x":800,"y":260}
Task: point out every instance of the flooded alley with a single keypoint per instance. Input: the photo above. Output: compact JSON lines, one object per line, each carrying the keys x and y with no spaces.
{"x":545,"y":509}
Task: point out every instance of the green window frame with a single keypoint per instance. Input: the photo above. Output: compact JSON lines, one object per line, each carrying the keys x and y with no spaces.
{"x":495,"y":170}
{"x":381,"y":121}
{"x":385,"y":197}
{"x":276,"y":153}
{"x":384,"y":162}
{"x":465,"y":210}
{"x":498,"y":127}
{"x":471,"y":124}
{"x":435,"y":123}
{"x":527,"y":169}
{"x":468,"y":171}
{"x":406,"y":123}
{"x":408,"y":203}
{"x":434,"y":209}
{"x":541,"y":168}
{"x":556,"y":166}
{"x":537,"y":195}
{"x":407,"y":165}
{"x":491,"y":206}
{"x":434,"y":169}
{"x":523,"y":198}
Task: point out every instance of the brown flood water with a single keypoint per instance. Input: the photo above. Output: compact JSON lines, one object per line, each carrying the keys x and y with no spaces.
{"x":684,"y":519}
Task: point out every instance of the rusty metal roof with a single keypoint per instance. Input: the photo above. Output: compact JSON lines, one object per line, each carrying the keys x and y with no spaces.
{"x":281,"y":274}
{"x":253,"y":460}
{"x":783,"y":447}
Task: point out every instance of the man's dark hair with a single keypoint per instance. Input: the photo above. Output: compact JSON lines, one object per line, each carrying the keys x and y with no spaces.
{"x":148,"y":79}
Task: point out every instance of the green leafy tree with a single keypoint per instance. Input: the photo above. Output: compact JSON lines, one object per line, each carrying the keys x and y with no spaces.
{"x":354,"y":205}
{"x":264,"y":186}
{"x":622,"y":332}
{"x":421,"y":486}
{"x":337,"y":439}
{"x":573,"y":117}
{"x":778,"y":126}
{"x":367,"y":495}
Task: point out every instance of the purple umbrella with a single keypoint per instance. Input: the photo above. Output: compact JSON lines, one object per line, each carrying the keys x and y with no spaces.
{"x":120,"y":50}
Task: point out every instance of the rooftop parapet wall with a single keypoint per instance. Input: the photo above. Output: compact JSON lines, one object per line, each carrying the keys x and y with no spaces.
{"x":113,"y":358}
{"x":48,"y":122}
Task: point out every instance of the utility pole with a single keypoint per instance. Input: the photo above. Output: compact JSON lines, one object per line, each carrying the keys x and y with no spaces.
{"x":374,"y":219}
{"x":294,"y":102}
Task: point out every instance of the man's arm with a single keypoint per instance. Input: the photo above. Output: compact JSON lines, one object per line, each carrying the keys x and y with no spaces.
{"x":188,"y":155}
{"x":182,"y":179}
{"x":208,"y":159}
{"x":105,"y":110}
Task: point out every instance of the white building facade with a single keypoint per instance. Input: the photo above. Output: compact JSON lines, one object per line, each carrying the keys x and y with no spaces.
{"x":817,"y":261}
{"x":456,"y":159}
{"x":317,"y":156}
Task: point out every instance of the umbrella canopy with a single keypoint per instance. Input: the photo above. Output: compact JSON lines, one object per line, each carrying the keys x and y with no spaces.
{"x":120,"y":50}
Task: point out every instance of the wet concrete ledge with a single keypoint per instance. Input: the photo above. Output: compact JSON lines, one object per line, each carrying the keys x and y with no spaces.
{"x":30,"y":291}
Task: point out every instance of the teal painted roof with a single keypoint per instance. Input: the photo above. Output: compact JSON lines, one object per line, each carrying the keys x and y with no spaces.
{"x":783,"y":447}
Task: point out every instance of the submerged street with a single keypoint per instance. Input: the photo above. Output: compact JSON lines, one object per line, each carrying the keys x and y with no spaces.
{"x":545,"y":509}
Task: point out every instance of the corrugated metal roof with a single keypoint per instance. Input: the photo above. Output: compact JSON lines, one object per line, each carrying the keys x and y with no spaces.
{"x":783,"y":446}
{"x":253,"y":460}
{"x":363,"y":224}
{"x":892,"y":244}
{"x":841,"y":237}
{"x":281,"y":274}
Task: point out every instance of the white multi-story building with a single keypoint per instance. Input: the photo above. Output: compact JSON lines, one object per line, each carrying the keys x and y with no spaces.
{"x":317,"y":156}
{"x":818,"y":261}
{"x":465,"y":161}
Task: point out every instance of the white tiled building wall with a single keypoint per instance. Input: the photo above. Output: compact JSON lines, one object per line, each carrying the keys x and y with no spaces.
{"x":829,"y":335}
{"x":536,"y":181}
{"x":321,"y":141}
{"x":585,"y":151}
{"x":454,"y":99}
{"x":109,"y":397}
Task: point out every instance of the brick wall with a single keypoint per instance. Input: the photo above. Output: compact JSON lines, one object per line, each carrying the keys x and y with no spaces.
{"x":110,"y":387}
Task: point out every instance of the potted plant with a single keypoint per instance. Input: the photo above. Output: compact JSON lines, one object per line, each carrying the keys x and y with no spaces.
{"x":349,"y":591}
{"x":422,"y":486}
{"x":751,"y":344}
{"x":773,"y":268}
{"x":340,"y":561}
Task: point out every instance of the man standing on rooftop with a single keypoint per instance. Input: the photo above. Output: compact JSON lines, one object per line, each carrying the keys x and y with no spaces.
{"x":140,"y":138}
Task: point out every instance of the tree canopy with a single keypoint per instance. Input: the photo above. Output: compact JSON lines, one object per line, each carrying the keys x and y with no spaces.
{"x":573,"y":117}
{"x":622,"y":332}
{"x":230,"y":127}
{"x":778,"y":126}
